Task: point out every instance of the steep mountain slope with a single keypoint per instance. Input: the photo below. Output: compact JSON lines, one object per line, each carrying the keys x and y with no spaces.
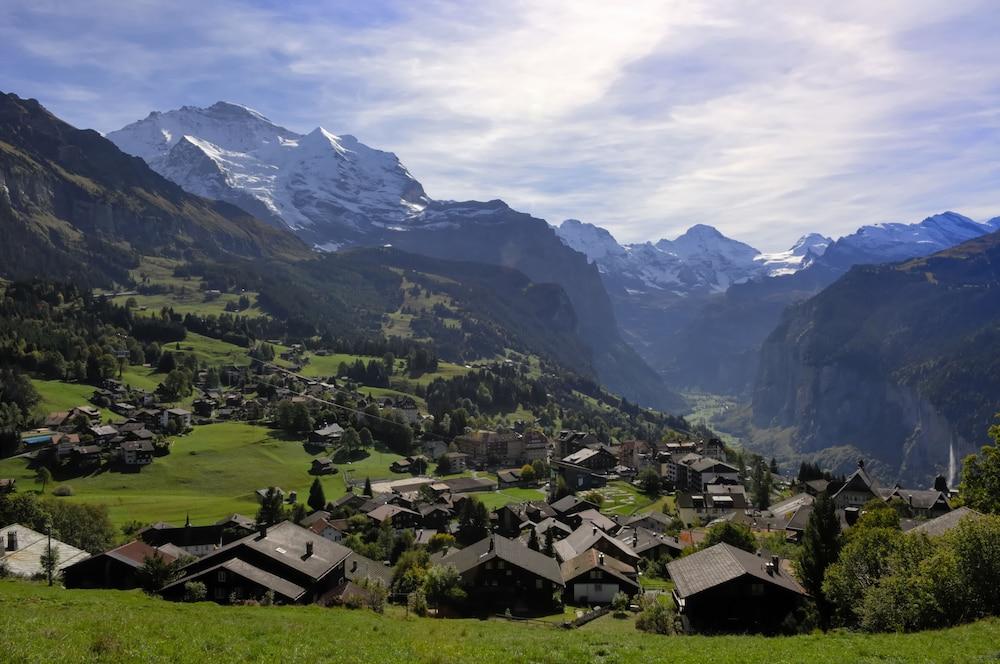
{"x":335,"y":192}
{"x":698,"y":334}
{"x":74,"y":206}
{"x":900,"y":362}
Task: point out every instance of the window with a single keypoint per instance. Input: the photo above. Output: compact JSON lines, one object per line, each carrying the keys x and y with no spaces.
{"x":595,"y":574}
{"x":538,"y":584}
{"x":757,"y":589}
{"x":220,"y":592}
{"x":489,"y":564}
{"x":221,"y":576}
{"x":598,"y":587}
{"x":500,"y":564}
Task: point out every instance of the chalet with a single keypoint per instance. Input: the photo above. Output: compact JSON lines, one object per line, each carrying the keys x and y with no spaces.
{"x":86,"y":456}
{"x":56,"y":419}
{"x":706,"y":470}
{"x":150,"y":417}
{"x":103,"y":434}
{"x":594,"y":518}
{"x":512,"y":477}
{"x":435,"y":516}
{"x":349,"y":500}
{"x":570,"y":505}
{"x":469,"y":484}
{"x":357,"y":570}
{"x":321,"y":524}
{"x":699,"y":508}
{"x":7,"y":485}
{"x":568,"y":442}
{"x":586,"y":468}
{"x":723,"y":588}
{"x":118,"y":568}
{"x":415,"y":465}
{"x":260,"y":494}
{"x":136,"y":453}
{"x":655,"y":521}
{"x":599,"y":459}
{"x":593,"y":578}
{"x":21,"y":551}
{"x":92,"y":414}
{"x":536,"y":446}
{"x":491,"y":448}
{"x":293,"y":563}
{"x":588,"y":537}
{"x":458,"y":461}
{"x":501,"y":573}
{"x":857,"y":490}
{"x":322,"y":466}
{"x":196,"y":541}
{"x":815,"y":487}
{"x":398,"y":517}
{"x":122,"y":408}
{"x":204,"y":407}
{"x":926,"y":503}
{"x":327,"y":435}
{"x":178,"y":417}
{"x":714,"y":448}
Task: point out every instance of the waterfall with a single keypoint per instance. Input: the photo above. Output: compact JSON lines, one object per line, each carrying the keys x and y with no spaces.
{"x":951,"y":465}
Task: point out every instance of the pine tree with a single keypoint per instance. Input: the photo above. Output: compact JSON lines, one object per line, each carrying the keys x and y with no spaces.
{"x":533,"y":540}
{"x":549,"y":542}
{"x":367,"y":491}
{"x":820,"y":549}
{"x":317,"y":499}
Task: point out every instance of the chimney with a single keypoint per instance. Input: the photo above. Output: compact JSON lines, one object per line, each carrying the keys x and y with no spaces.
{"x":309,"y":549}
{"x":593,"y":529}
{"x":635,"y":538}
{"x":354,"y":565}
{"x":861,"y":463}
{"x":775,"y":564}
{"x":491,"y":543}
{"x":11,"y":540}
{"x":909,"y":499}
{"x":600,"y":559}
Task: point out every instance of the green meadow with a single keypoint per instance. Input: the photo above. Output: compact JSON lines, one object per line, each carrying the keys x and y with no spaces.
{"x":41,"y":624}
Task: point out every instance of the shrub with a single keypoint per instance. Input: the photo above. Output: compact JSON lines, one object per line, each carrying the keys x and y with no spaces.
{"x":63,"y":490}
{"x":619,"y":604}
{"x":417,"y":602}
{"x":656,"y":617}
{"x":195,"y":591}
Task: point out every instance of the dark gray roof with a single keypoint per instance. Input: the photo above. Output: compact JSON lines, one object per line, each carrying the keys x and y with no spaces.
{"x":242,"y":568}
{"x":567,"y":503}
{"x":720,"y":564}
{"x":508,"y":550}
{"x":585,"y":538}
{"x":642,"y":539}
{"x":708,"y":463}
{"x":357,"y":568}
{"x":286,"y":543}
{"x":945,"y":522}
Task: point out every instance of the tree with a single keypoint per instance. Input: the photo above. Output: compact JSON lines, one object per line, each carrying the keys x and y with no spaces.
{"x":195,"y":591}
{"x":980,"y":485}
{"x":350,"y":441}
{"x":730,"y":533}
{"x":317,"y":499}
{"x":156,"y":573}
{"x":440,"y":541}
{"x":562,"y":489}
{"x":595,"y":497}
{"x":442,"y":585}
{"x":649,"y":481}
{"x":656,"y":617}
{"x":43,"y":476}
{"x":877,"y":513}
{"x":367,"y":440}
{"x":473,"y":521}
{"x":549,"y":548}
{"x":863,"y":561}
{"x":619,"y":603}
{"x":761,"y":484}
{"x":820,"y":549}
{"x":166,"y":363}
{"x":533,"y":540}
{"x":774,"y":466}
{"x":176,"y":385}
{"x":444,"y":465}
{"x":367,"y":490}
{"x":49,"y":561}
{"x":528,"y":472}
{"x":294,"y":416}
{"x":272,"y":508}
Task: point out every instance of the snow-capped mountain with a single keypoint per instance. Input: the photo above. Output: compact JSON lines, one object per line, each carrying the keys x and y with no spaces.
{"x":890,"y":242}
{"x":701,"y":259}
{"x":802,"y":254}
{"x":326,"y":187}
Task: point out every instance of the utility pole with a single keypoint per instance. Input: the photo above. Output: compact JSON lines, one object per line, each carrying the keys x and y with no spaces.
{"x":48,"y":567}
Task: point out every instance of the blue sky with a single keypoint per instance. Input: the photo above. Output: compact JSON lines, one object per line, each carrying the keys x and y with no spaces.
{"x":767,"y":120}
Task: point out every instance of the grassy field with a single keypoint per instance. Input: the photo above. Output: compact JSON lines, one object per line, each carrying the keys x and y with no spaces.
{"x":57,"y":396}
{"x":494,"y":499}
{"x":209,"y":473}
{"x":42,"y":624}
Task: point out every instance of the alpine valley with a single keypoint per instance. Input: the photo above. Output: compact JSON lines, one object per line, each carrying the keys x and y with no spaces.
{"x":862,"y":345}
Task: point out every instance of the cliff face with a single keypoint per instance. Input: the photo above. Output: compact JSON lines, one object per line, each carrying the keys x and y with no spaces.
{"x":73,"y":204}
{"x":899,"y":362}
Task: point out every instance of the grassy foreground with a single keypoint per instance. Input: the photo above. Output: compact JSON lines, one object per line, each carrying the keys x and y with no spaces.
{"x":41,"y":624}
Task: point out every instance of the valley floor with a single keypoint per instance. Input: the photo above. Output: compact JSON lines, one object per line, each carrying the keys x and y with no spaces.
{"x":42,"y":624}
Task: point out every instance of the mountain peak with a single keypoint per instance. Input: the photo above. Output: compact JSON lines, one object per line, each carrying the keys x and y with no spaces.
{"x":592,"y":241}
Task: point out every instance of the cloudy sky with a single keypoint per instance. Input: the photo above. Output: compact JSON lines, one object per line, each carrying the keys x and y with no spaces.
{"x":766,"y":120}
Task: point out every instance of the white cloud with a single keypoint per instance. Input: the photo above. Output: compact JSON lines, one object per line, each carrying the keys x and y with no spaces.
{"x":767,"y":120}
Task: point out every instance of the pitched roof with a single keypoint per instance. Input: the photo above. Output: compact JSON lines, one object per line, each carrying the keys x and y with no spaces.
{"x":596,"y":518}
{"x":586,"y":537}
{"x":31,"y":544}
{"x":721,"y":564}
{"x":859,"y":480}
{"x":567,"y":503}
{"x":134,"y":553}
{"x":588,"y":560}
{"x":511,"y":551}
{"x":286,"y":543}
{"x":642,"y":539}
{"x":945,"y":522}
{"x":388,"y":511}
{"x":357,"y":568}
{"x":242,"y":568}
{"x":918,"y":498}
